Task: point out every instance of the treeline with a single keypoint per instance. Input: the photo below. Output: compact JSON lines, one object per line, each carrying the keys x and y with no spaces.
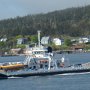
{"x":70,"y":22}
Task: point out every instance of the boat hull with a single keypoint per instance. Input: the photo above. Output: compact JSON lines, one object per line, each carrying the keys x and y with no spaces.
{"x":3,"y":76}
{"x":45,"y":73}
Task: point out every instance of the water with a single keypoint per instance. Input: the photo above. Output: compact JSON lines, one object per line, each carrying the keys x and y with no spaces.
{"x":57,"y":82}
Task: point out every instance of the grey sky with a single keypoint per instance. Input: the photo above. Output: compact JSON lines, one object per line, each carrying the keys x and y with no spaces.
{"x":13,"y":8}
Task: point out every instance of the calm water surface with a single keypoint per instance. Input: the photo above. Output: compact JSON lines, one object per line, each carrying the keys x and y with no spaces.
{"x":57,"y":82}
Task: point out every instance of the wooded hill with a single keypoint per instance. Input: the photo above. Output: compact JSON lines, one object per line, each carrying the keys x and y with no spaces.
{"x":71,"y":22}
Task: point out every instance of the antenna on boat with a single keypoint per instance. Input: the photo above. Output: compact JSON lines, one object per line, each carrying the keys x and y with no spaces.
{"x":39,"y":38}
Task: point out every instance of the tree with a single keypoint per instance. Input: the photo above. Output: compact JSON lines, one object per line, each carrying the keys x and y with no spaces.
{"x":34,"y":39}
{"x":68,"y":42}
{"x":19,"y":36}
{"x":2,"y":45}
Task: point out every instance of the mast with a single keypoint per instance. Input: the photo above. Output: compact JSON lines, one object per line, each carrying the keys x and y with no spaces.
{"x":39,"y":38}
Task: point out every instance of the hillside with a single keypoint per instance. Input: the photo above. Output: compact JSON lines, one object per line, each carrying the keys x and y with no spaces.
{"x":71,"y":22}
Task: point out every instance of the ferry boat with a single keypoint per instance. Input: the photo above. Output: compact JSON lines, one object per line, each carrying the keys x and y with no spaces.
{"x":40,"y":63}
{"x":45,"y":66}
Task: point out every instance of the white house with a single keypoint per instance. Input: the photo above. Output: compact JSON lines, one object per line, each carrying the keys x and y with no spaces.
{"x":21,"y":41}
{"x":45,"y":40}
{"x":57,"y":41}
{"x":84,"y":40}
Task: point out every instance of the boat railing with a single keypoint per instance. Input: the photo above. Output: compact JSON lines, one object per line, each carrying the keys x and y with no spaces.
{"x":73,"y":68}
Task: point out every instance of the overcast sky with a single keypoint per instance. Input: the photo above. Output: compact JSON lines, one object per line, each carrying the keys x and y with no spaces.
{"x":13,"y":8}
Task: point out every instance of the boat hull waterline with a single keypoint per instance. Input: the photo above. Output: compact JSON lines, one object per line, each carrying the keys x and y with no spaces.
{"x":43,"y":73}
